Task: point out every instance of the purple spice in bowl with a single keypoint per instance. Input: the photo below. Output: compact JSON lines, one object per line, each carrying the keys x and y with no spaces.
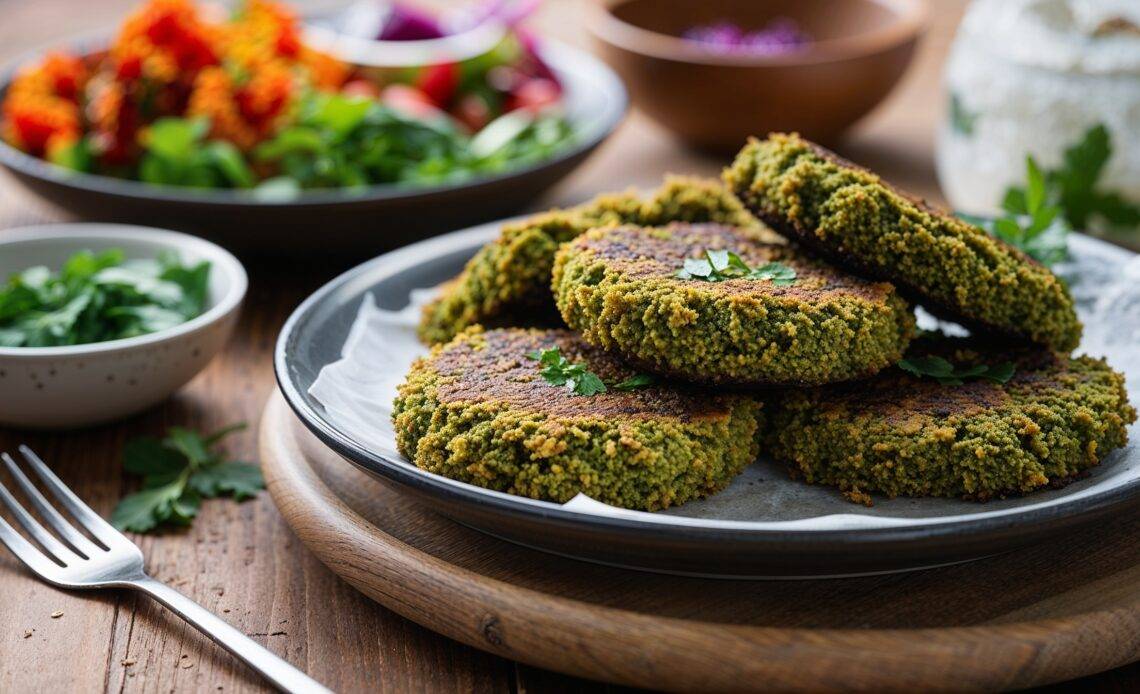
{"x":778,"y":36}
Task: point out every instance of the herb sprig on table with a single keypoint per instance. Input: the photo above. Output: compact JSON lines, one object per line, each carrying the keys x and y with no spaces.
{"x":100,"y":296}
{"x":557,"y":370}
{"x":948,"y":374}
{"x":178,"y":472}
{"x":721,"y":265}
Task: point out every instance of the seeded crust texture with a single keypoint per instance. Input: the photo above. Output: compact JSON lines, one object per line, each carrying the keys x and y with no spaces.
{"x":850,"y":216}
{"x":509,"y":278}
{"x":903,"y":436}
{"x":618,"y":287}
{"x":477,"y":410}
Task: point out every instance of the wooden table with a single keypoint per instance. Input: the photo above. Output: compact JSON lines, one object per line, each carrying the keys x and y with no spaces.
{"x":241,"y":560}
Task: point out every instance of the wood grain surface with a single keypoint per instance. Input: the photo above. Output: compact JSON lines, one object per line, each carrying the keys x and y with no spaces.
{"x":902,"y":632}
{"x":242,"y":560}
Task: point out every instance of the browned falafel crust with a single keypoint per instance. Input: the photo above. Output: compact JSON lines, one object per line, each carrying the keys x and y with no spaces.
{"x":477,"y":410}
{"x":901,"y":435}
{"x":619,"y":287}
{"x":855,"y":219}
{"x":509,"y":278}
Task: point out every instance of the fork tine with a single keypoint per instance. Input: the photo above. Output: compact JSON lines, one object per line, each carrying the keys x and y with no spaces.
{"x":77,"y":540}
{"x":32,"y":558}
{"x":54,"y":547}
{"x":91,"y":521}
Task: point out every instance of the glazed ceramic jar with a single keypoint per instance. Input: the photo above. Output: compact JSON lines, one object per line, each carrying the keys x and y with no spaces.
{"x":1032,"y":77}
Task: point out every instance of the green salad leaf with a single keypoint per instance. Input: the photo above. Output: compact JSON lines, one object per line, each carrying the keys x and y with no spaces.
{"x":100,"y":296}
{"x":176,"y":153}
{"x":178,"y":472}
{"x":344,"y":141}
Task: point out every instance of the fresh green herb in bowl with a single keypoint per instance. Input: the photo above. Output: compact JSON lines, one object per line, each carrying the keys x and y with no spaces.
{"x":97,"y":297}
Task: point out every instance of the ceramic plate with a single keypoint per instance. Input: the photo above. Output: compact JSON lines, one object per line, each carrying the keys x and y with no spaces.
{"x":340,"y":381}
{"x":375,"y":218}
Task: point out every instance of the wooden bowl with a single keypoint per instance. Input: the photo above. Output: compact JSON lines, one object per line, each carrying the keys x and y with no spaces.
{"x":859,"y":51}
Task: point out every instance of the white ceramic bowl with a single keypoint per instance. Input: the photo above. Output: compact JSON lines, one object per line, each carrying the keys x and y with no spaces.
{"x":79,"y":385}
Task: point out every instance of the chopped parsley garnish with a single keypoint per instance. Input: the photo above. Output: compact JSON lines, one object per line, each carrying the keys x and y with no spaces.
{"x":178,"y":472}
{"x":721,"y":265}
{"x":557,"y":370}
{"x":1073,"y":186}
{"x":947,"y":374}
{"x":100,"y":296}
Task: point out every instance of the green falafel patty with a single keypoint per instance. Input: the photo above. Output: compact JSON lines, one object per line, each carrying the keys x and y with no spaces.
{"x":510,"y":277}
{"x":619,"y":287}
{"x":478,"y":410}
{"x":853,"y":218}
{"x":901,"y":435}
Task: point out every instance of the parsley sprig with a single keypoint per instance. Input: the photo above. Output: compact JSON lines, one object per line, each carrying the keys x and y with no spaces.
{"x":1073,"y":186}
{"x":557,"y":370}
{"x":948,"y":374}
{"x":178,"y":472}
{"x":720,"y":265}
{"x":1031,"y":223}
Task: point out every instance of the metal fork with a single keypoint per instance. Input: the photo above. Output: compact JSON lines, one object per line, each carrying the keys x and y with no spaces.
{"x":113,"y":561}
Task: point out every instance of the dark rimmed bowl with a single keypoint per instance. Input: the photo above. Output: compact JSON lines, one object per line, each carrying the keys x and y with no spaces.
{"x":376,"y":218}
{"x":860,"y":50}
{"x":800,"y":530}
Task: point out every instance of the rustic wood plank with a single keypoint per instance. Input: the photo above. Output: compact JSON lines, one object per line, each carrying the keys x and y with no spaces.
{"x":243,"y":558}
{"x":684,"y":633}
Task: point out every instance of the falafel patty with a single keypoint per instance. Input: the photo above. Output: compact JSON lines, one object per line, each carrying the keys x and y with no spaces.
{"x":853,"y":218}
{"x":901,"y":435}
{"x":510,"y":277}
{"x":477,"y":410}
{"x":619,"y":287}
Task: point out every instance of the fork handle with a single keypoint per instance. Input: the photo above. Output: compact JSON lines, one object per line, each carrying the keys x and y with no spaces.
{"x":283,"y":675}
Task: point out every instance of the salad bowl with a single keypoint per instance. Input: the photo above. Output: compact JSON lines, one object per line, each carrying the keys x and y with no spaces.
{"x":368,"y":218}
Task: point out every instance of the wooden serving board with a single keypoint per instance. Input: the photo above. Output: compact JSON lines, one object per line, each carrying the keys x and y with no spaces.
{"x":1040,"y":615}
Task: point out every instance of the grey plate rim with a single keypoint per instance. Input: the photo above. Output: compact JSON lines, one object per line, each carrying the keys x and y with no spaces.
{"x":1057,"y":515}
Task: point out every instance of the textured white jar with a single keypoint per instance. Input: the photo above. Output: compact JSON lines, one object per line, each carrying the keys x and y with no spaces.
{"x":1033,"y":76}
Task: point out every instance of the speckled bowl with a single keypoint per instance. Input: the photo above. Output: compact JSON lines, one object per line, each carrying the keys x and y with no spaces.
{"x":81,"y":385}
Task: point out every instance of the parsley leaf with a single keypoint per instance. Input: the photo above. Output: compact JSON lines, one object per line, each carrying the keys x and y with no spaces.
{"x":636,"y":381}
{"x":1031,"y":223}
{"x":1073,"y":186}
{"x":558,"y":371}
{"x":178,"y":472}
{"x":720,"y":265}
{"x":947,"y":374}
{"x":97,"y":297}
